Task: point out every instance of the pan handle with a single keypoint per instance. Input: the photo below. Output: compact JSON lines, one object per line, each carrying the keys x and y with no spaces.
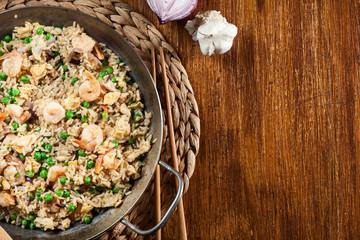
{"x":168,"y":212}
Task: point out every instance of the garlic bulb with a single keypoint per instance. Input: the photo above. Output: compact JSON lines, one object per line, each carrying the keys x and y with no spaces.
{"x":214,"y":33}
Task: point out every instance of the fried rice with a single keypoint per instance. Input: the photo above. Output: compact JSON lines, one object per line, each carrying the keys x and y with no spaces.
{"x":73,"y":128}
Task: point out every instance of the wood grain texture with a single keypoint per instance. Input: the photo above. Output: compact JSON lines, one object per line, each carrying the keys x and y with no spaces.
{"x":280,"y":122}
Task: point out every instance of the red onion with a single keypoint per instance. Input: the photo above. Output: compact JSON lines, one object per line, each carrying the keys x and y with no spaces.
{"x":171,"y":10}
{"x":50,"y":41}
{"x":24,"y":49}
{"x":33,"y":113}
{"x":49,"y":52}
{"x":60,"y":205}
{"x":29,"y":179}
{"x":74,"y":61}
{"x":87,"y":53}
{"x":109,"y":77}
{"x":3,"y":138}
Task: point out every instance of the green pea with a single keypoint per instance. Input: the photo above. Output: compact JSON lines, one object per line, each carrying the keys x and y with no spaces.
{"x":93,"y":191}
{"x":24,"y":222}
{"x":32,"y":226}
{"x":43,"y":174}
{"x":43,"y":155}
{"x":114,"y":80}
{"x":63,"y":180}
{"x":119,"y":61}
{"x":15,"y":92}
{"x":84,"y":119}
{"x":48,"y":147}
{"x":59,"y":192}
{"x":64,"y":135}
{"x":64,"y":76}
{"x":66,"y":194}
{"x":40,"y":31}
{"x":109,"y":70}
{"x":100,"y":79}
{"x":3,"y":76}
{"x":50,"y":161}
{"x":86,"y":104}
{"x":87,"y":180}
{"x":116,"y":144}
{"x":87,"y":220}
{"x":30,"y":173}
{"x":15,"y":125}
{"x":38,"y":192}
{"x":65,"y":67}
{"x":22,"y":156}
{"x":40,"y":199}
{"x":1,"y":54}
{"x":31,"y":196}
{"x":71,"y":207}
{"x":131,"y":140}
{"x":105,"y":62}
{"x":48,"y":36}
{"x":13,"y":217}
{"x":115,"y":189}
{"x":13,"y":98}
{"x":74,"y":80}
{"x":48,"y":197}
{"x":56,"y":53}
{"x":90,"y":164}
{"x":69,"y":114}
{"x":102,"y":74}
{"x":7,"y":38}
{"x":32,"y":217}
{"x":104,"y":115}
{"x":65,"y":163}
{"x":81,"y":153}
{"x":27,"y":40}
{"x":120,"y":89}
{"x":24,"y":79}
{"x":38,"y":156}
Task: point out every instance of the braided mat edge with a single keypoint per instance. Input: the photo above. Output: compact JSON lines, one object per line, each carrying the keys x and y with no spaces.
{"x":142,"y":35}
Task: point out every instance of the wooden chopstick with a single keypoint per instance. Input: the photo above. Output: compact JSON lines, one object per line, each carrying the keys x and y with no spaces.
{"x":157,"y":170}
{"x":182,"y":224}
{"x":4,"y":235}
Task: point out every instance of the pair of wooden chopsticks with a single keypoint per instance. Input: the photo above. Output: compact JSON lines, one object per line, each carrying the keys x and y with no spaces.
{"x":182,"y":224}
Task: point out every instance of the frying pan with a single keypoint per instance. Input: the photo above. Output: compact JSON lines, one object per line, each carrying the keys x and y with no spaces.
{"x":55,"y":16}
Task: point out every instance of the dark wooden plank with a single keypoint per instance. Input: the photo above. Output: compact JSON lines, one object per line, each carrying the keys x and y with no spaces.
{"x":280,"y":122}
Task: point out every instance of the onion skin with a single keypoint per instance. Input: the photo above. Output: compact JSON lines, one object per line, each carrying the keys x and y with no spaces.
{"x":168,"y":11}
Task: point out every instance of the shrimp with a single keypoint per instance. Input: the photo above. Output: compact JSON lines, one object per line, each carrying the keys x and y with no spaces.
{"x":12,"y":63}
{"x":6,"y":199}
{"x":98,"y":163}
{"x":90,"y":90}
{"x":54,"y":207}
{"x":88,"y":44}
{"x":15,"y":174}
{"x":84,"y":42}
{"x":17,"y":113}
{"x":98,"y":52}
{"x":55,"y":171}
{"x":110,"y":160}
{"x":91,"y":136}
{"x":53,"y":112}
{"x":3,"y":116}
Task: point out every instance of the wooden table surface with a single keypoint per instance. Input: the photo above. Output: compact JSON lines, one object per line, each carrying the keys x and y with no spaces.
{"x":279,"y":156}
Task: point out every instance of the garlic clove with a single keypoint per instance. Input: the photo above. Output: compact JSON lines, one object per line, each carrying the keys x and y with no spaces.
{"x":214,"y":33}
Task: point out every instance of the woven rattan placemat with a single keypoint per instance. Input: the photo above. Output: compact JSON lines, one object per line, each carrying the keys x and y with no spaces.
{"x":142,"y":35}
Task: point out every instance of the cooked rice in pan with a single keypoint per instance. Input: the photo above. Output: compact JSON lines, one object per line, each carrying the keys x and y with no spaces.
{"x":73,"y":127}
